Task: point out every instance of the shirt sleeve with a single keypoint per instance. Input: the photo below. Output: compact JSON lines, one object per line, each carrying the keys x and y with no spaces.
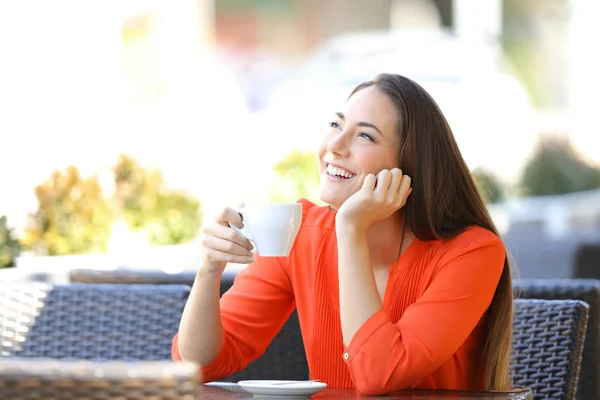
{"x":253,"y":311}
{"x":383,"y":357}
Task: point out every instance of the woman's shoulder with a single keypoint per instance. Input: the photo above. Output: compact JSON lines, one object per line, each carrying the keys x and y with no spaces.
{"x":477,"y":234}
{"x":472,"y":238}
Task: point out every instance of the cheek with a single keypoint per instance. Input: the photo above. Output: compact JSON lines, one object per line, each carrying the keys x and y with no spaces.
{"x":371,"y":162}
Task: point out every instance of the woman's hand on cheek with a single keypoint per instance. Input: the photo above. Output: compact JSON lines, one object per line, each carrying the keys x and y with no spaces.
{"x":379,"y":197}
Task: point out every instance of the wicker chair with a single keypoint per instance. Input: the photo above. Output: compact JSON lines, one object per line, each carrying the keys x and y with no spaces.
{"x":89,"y":322}
{"x":127,"y":276}
{"x":284,"y":358}
{"x":587,"y":290}
{"x":548,"y":340}
{"x":33,"y":379}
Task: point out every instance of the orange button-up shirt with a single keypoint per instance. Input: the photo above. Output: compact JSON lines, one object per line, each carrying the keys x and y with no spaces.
{"x":429,"y":333}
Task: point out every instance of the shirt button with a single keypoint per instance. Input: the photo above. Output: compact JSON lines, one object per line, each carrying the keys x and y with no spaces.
{"x":346,"y":356}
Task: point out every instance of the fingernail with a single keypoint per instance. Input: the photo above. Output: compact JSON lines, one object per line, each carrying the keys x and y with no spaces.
{"x":250,"y":259}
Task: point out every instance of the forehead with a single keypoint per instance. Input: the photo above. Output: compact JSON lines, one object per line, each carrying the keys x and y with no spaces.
{"x":373,"y":106}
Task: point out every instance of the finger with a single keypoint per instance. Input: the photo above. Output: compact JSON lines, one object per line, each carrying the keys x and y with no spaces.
{"x":369,"y":183}
{"x":392,"y":194}
{"x":230,"y":217}
{"x":229,"y":234}
{"x":405,"y":189}
{"x":384,"y":177}
{"x":217,"y":255}
{"x":225,"y":246}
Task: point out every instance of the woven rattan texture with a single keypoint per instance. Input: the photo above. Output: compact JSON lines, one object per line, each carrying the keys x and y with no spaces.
{"x":548,"y":340}
{"x":90,"y":321}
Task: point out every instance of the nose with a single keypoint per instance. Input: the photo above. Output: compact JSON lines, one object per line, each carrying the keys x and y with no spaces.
{"x":338,"y":144}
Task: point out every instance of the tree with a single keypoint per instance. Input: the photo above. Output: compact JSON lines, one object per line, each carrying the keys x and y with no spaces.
{"x":73,"y":217}
{"x":556,"y":168}
{"x":488,"y":185}
{"x":296,"y":176}
{"x":144,"y":201}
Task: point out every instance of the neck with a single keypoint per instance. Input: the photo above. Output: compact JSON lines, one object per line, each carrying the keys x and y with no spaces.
{"x":384,"y":240}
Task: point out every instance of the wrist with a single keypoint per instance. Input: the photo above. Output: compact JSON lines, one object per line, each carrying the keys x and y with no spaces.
{"x":349,"y":231}
{"x":343,"y":224}
{"x":210,"y":270}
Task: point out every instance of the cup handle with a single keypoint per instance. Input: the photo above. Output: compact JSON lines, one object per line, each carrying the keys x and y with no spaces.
{"x":245,"y":230}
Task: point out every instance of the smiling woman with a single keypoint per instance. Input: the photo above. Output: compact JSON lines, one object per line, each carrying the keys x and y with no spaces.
{"x":401,"y":282}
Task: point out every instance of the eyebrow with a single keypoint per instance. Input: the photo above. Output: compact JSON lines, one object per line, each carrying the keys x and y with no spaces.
{"x":361,"y":123}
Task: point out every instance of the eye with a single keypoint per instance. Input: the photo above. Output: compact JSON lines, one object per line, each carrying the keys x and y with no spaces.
{"x":366,"y":136}
{"x":334,"y":125}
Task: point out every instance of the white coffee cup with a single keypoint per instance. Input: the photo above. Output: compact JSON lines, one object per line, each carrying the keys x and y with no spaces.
{"x":272,"y":227}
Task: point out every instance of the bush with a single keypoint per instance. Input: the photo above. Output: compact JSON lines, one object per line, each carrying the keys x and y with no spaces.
{"x":557,"y":169}
{"x":73,"y":216}
{"x":144,"y":201}
{"x":10,"y":248}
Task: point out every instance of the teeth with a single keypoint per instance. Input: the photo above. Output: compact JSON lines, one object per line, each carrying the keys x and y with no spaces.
{"x":331,"y":170}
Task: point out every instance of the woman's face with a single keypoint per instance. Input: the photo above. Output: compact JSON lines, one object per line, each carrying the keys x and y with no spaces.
{"x":362,"y":140}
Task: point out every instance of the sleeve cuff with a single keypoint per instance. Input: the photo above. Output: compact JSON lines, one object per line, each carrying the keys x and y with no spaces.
{"x":368,"y":329}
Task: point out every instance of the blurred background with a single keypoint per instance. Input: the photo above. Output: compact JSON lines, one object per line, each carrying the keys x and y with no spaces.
{"x":124,"y":125}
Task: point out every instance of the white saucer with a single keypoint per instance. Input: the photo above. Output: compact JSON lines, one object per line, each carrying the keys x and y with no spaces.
{"x":265,"y":388}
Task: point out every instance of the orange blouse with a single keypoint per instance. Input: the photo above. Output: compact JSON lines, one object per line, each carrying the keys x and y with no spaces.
{"x":429,"y":333}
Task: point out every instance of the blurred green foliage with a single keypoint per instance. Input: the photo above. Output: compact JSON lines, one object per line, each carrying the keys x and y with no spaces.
{"x":489,"y":185}
{"x":556,"y":168}
{"x":296,"y":176}
{"x":146,"y":203}
{"x":74,"y":215}
{"x":10,"y":248}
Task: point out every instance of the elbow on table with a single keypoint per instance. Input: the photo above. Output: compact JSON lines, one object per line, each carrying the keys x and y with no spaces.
{"x":376,"y":390}
{"x":181,"y":353}
{"x":375,"y":386}
{"x":181,"y":356}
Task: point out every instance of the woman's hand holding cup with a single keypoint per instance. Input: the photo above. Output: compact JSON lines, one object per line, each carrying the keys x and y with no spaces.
{"x":222,"y":244}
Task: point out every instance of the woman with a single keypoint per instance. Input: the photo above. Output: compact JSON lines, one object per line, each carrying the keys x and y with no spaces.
{"x":402,"y":282}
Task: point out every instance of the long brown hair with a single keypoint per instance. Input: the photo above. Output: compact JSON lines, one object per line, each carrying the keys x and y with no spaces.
{"x":445,"y":201}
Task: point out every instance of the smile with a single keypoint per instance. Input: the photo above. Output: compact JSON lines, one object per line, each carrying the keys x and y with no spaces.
{"x":339,"y":173}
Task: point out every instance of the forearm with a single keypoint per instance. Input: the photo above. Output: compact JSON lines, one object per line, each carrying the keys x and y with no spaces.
{"x":201,"y":331}
{"x":359,"y":298}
